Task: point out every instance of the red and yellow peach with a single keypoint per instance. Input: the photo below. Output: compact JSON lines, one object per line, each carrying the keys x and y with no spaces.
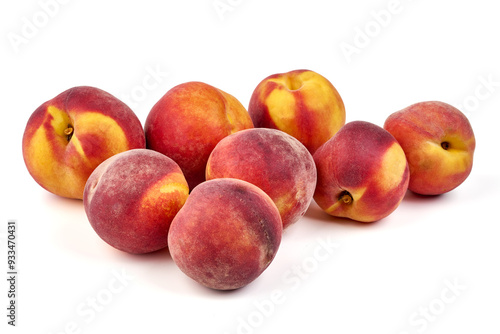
{"x":67,"y":137}
{"x":362,"y":173}
{"x":226,"y":234}
{"x":272,"y":160}
{"x":187,"y":123}
{"x":439,"y":144}
{"x":302,"y":103}
{"x":131,"y":198}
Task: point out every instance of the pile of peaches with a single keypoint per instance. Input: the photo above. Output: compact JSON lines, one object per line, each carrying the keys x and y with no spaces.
{"x":217,"y":184}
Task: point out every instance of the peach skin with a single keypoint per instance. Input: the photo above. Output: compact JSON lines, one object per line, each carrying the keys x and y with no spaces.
{"x":438,"y":142}
{"x":362,"y":173}
{"x":302,"y":103}
{"x":67,"y":137}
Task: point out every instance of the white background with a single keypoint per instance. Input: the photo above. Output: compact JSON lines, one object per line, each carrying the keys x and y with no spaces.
{"x":391,"y":277}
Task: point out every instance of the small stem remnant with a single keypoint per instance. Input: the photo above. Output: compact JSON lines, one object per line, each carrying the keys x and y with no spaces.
{"x":346,"y":197}
{"x":68,"y":132}
{"x":445,"y":145}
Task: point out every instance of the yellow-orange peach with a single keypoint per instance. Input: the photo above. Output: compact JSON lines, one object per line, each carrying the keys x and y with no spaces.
{"x":362,"y":173}
{"x":187,"y":123}
{"x":226,"y":234}
{"x":302,"y":103}
{"x":439,"y":144}
{"x":131,"y":198}
{"x":67,"y":137}
{"x":272,"y":160}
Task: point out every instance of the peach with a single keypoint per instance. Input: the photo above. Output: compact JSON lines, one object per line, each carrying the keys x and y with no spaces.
{"x":226,"y":234}
{"x":187,"y":123}
{"x":67,"y":137}
{"x":302,"y":103}
{"x":439,"y":144}
{"x":272,"y":160}
{"x":362,"y":173}
{"x":131,"y":198}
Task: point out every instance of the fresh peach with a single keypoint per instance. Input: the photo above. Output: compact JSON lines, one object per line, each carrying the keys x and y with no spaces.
{"x":187,"y":123}
{"x":272,"y":160}
{"x":67,"y":137}
{"x":131,"y":198}
{"x":362,"y":173}
{"x":439,"y":144}
{"x":302,"y":103}
{"x":226,"y":234}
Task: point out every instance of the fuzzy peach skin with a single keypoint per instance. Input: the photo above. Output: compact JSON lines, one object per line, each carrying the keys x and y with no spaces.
{"x":438,"y":142}
{"x":67,"y":137}
{"x":302,"y":103}
{"x":131,"y":198}
{"x":226,"y":234}
{"x":272,"y":160}
{"x":362,"y":173}
{"x":187,"y":123}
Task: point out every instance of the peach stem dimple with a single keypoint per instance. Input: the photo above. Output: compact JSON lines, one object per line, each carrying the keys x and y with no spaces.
{"x":445,"y":145}
{"x":293,"y":84}
{"x":345,"y":197}
{"x":68,"y":132}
